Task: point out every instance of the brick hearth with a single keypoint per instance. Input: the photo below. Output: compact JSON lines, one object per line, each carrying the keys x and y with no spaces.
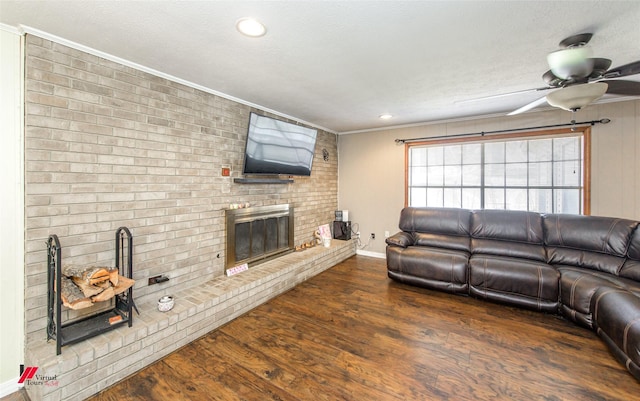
{"x":85,"y":368}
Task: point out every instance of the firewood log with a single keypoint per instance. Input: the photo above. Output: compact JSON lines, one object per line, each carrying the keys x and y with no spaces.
{"x":124,"y":283}
{"x":88,"y":290}
{"x":90,"y":274}
{"x":104,"y":295}
{"x":72,"y":296}
{"x":104,"y":284}
{"x":113,"y":277}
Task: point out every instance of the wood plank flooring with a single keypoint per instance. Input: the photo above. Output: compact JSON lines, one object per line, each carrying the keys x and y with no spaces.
{"x":350,"y":333}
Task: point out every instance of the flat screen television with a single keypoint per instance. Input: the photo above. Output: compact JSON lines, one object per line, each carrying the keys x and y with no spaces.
{"x":276,"y":147}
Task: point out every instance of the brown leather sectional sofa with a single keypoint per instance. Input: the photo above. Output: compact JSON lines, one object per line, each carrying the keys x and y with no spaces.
{"x":586,"y":268}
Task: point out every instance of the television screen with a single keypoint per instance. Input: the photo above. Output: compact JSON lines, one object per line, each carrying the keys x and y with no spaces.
{"x":276,"y":147}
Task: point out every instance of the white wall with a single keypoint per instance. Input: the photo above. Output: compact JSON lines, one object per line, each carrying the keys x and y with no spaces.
{"x":371,"y":164}
{"x":12,"y":211}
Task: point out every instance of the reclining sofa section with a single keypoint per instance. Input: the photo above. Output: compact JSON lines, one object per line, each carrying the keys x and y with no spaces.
{"x":586,"y":268}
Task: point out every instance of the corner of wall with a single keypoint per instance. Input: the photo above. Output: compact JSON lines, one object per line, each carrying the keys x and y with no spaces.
{"x":12,"y":331}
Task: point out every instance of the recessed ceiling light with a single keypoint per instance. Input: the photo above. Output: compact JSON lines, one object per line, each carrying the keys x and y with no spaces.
{"x":250,"y":27}
{"x":385,"y":116}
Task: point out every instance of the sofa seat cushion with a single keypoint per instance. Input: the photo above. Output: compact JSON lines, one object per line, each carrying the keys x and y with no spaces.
{"x":526,"y":283}
{"x":435,"y":268}
{"x":616,"y":315}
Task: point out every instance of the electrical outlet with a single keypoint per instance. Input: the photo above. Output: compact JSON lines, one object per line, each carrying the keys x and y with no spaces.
{"x":158,"y":279}
{"x":373,"y":235}
{"x":358,"y":235}
{"x":386,"y":234}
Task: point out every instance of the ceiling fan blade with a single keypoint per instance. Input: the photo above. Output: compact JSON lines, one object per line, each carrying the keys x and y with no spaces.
{"x":600,"y":66}
{"x":580,"y":39}
{"x":529,"y":106}
{"x":623,"y":70}
{"x":552,"y":80}
{"x":622,"y":87}
{"x":503,"y":95}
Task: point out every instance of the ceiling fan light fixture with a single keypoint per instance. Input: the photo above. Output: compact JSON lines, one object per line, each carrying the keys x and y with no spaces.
{"x":573,"y":62}
{"x":576,"y":97}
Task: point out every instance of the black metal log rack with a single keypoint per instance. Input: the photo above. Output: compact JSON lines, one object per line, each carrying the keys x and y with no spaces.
{"x":95,"y":324}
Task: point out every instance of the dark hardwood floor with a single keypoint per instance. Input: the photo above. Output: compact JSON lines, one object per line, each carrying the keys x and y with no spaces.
{"x":20,"y":395}
{"x":352,"y":334}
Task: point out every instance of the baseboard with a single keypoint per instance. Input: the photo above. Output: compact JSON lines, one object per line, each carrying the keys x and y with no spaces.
{"x":378,"y":255}
{"x":9,"y":387}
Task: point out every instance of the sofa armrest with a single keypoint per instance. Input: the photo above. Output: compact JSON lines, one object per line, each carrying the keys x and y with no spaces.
{"x":402,"y":239}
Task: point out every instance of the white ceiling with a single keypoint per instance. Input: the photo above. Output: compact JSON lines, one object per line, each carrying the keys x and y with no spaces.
{"x":340,"y":64}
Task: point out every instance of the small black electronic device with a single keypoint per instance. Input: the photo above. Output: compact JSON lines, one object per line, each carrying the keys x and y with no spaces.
{"x":342,"y":230}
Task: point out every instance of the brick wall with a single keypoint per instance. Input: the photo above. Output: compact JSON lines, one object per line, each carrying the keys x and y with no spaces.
{"x":108,"y":146}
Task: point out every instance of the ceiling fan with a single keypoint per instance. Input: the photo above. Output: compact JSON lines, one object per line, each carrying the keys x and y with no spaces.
{"x":579,"y":79}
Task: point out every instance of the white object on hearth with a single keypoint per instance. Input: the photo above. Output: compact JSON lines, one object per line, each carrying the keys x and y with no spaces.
{"x":165,"y":303}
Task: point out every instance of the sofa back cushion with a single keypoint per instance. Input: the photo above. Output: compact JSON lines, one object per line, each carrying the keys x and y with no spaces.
{"x":592,"y":242}
{"x":507,"y":233}
{"x":634,"y":245}
{"x":631,"y":267}
{"x":439,"y":227}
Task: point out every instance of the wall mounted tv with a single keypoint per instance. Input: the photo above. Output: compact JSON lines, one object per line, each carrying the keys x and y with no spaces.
{"x":276,"y":147}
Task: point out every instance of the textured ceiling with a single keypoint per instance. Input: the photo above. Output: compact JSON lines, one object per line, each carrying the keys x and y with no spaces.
{"x":340,"y":64}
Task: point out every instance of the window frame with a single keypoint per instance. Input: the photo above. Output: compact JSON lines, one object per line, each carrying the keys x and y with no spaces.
{"x":482,"y":138}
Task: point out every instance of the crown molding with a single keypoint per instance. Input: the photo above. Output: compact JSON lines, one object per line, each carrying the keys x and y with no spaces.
{"x":65,"y":42}
{"x":10,"y":29}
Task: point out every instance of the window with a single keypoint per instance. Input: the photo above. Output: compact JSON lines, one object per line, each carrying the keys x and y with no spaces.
{"x":534,"y":171}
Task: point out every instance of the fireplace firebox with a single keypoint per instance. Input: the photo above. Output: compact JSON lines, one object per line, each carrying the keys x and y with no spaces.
{"x":258,"y":234}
